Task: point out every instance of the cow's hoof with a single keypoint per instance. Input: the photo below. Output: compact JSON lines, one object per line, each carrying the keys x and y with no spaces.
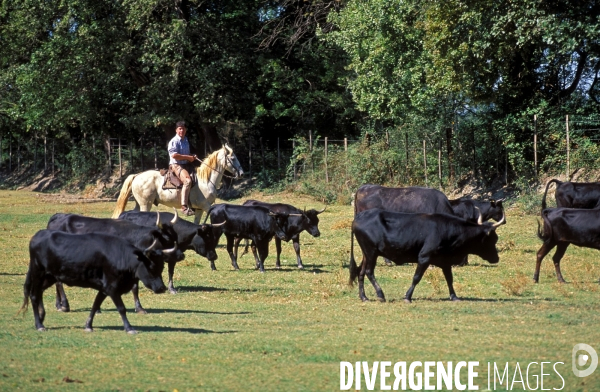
{"x":132,"y":332}
{"x":300,"y":266}
{"x":41,"y":329}
{"x":364,"y":299}
{"x":408,"y":301}
{"x":63,"y":309}
{"x":141,"y":311}
{"x":455,"y":299}
{"x":381,"y":299}
{"x":89,"y":329}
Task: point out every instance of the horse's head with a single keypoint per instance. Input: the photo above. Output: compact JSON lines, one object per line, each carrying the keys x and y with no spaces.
{"x":230,"y":162}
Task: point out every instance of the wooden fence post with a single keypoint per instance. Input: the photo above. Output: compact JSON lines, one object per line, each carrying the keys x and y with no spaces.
{"x":326,"y":174}
{"x":425,"y":162}
{"x":346,"y":144}
{"x":120,"y":160}
{"x":568,"y":150}
{"x":535,"y":161}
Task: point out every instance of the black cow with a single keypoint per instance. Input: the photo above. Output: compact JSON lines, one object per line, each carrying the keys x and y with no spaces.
{"x":298,"y":220}
{"x":565,"y":226}
{"x":103,"y":262}
{"x":426,"y":239}
{"x":255,"y":223}
{"x":409,"y":199}
{"x":139,"y":236}
{"x":190,"y":236}
{"x":470,"y":209}
{"x":575,"y":194}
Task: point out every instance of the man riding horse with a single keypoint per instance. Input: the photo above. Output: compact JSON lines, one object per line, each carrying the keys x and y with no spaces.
{"x":179,"y":163}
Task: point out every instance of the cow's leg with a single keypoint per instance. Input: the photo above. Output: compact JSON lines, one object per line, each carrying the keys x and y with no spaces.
{"x":278,"y":251}
{"x":236,"y":244}
{"x":97,"y":302}
{"x":561,"y":248}
{"x":62,"y":303}
{"x":233,"y":256}
{"x":449,"y":280}
{"x":136,"y":298}
{"x":370,"y":272}
{"x":171,"y":266}
{"x":263,"y":252}
{"x":361,"y":280}
{"x":255,"y":254}
{"x":48,"y":281}
{"x":544,"y":250}
{"x":35,"y":296}
{"x":296,"y":243}
{"x":421,"y":268}
{"x":123,"y":312}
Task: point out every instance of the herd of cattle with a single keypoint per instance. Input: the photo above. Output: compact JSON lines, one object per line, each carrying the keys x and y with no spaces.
{"x":404,"y":225}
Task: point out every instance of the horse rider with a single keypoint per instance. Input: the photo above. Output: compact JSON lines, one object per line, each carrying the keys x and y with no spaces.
{"x":179,"y":163}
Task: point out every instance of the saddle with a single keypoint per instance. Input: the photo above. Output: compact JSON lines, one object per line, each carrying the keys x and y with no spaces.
{"x":171,"y":181}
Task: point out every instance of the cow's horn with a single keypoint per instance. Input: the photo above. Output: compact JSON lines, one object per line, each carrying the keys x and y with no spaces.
{"x":318,"y":212}
{"x":169,"y":251}
{"x":501,"y":221}
{"x":176,"y":217}
{"x":479,"y":218}
{"x":296,"y":214}
{"x":149,"y":249}
{"x":218,"y":224}
{"x":158,"y":224}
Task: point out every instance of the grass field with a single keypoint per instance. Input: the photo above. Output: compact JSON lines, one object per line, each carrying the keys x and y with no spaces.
{"x":289,"y":329}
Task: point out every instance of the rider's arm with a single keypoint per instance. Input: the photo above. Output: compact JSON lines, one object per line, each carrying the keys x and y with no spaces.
{"x":180,"y":157}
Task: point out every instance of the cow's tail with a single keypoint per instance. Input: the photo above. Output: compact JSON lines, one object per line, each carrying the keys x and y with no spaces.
{"x":546,"y":233}
{"x":26,"y":293}
{"x":245,"y":247}
{"x":123,"y":196}
{"x":208,"y":213}
{"x":353,"y":267}
{"x":546,"y":191}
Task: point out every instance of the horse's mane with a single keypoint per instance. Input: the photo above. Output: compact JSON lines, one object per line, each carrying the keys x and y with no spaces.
{"x":205,"y":169}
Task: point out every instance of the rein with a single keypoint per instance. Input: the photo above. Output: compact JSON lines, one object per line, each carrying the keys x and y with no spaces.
{"x":213,"y":169}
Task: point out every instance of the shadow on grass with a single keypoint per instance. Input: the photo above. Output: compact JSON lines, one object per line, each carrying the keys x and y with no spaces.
{"x":471,"y":299}
{"x":156,"y":328}
{"x":11,"y":274}
{"x":194,"y":289}
{"x":156,"y":310}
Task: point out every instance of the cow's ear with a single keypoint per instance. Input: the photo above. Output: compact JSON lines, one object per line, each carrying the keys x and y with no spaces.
{"x":499,"y":203}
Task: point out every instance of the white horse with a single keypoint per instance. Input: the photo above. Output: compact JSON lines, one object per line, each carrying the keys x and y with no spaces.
{"x":147,"y":186}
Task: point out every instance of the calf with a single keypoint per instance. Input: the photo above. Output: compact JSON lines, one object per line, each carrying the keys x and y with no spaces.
{"x":298,"y":221}
{"x":255,"y":223}
{"x":470,"y":209}
{"x":575,"y":194}
{"x":139,"y":236}
{"x":426,"y":239}
{"x":562,"y":227}
{"x":102,"y":262}
{"x":199,"y":238}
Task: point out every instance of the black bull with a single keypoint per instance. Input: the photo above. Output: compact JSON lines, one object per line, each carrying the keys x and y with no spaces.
{"x":165,"y":249}
{"x":575,"y":194}
{"x":255,"y":223}
{"x":190,"y":236}
{"x":562,"y":227}
{"x":102,"y":262}
{"x":426,"y":239}
{"x":298,"y":221}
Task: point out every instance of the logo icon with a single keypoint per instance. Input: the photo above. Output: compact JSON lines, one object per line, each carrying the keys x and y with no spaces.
{"x":579,"y":359}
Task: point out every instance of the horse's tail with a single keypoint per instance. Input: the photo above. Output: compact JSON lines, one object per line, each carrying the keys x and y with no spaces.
{"x":546,"y":192}
{"x":123,"y":196}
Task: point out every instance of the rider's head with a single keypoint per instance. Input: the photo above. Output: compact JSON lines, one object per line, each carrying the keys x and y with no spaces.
{"x":180,"y":128}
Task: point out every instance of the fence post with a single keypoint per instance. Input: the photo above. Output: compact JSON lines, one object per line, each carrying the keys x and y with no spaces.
{"x":440,"y":161}
{"x":142,"y":152}
{"x":294,"y":157}
{"x":326,"y":174}
{"x":131,"y":155}
{"x":120,"y":162}
{"x":568,"y":150}
{"x":155,"y":157}
{"x":425,"y":163}
{"x":535,"y":162}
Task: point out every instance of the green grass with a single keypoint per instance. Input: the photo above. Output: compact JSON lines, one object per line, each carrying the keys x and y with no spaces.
{"x":289,"y":329}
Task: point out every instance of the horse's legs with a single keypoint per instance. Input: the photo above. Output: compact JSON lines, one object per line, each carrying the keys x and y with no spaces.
{"x":198,"y":215}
